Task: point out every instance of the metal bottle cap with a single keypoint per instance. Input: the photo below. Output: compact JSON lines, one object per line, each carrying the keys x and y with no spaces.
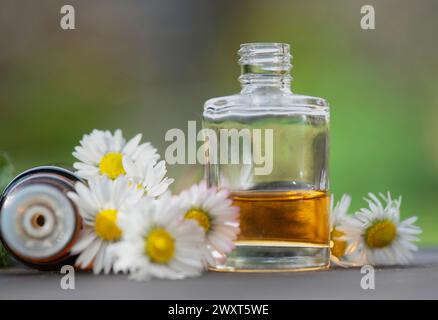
{"x":38,"y":222}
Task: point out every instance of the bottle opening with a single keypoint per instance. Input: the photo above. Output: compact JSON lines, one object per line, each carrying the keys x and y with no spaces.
{"x":38,"y":220}
{"x":265,"y":65}
{"x":265,"y":58}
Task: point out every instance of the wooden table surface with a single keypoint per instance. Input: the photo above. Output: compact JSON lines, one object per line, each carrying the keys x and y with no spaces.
{"x":417,"y":281}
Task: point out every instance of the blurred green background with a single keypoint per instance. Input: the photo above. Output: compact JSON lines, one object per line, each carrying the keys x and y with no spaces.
{"x":149,"y":66}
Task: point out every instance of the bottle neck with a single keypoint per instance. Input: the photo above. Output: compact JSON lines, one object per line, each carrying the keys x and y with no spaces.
{"x":251,"y":83}
{"x":265,"y":67}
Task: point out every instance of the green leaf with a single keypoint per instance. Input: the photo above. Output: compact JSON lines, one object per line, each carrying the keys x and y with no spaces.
{"x":6,"y":175}
{"x":6,"y":171}
{"x":4,"y":257}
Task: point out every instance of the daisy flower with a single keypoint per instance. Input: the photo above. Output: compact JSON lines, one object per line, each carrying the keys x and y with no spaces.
{"x":156,"y":242}
{"x":213,"y":211}
{"x":103,"y":153}
{"x":147,"y":174}
{"x":338,"y":218}
{"x":377,"y":234}
{"x":101,"y":205}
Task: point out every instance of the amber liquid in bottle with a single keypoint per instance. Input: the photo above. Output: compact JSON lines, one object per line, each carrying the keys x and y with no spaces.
{"x":284,"y":210}
{"x":289,"y":218}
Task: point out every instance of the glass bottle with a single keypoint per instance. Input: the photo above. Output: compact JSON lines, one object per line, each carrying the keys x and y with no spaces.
{"x":284,"y":201}
{"x":39,"y":224}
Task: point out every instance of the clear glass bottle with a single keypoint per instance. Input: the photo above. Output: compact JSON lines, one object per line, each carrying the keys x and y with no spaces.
{"x":284,"y":212}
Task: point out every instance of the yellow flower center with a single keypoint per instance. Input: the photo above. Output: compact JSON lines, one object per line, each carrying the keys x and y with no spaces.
{"x":111,"y":164}
{"x":338,"y":246}
{"x":200,"y":216}
{"x":106,"y":227}
{"x":159,"y":246}
{"x":380,"y":234}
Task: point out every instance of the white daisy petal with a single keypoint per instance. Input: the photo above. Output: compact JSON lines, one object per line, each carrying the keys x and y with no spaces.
{"x":129,"y":149}
{"x":98,"y":261}
{"x":376,"y":235}
{"x":86,"y":239}
{"x":87,"y":256}
{"x":339,"y":226}
{"x":146,"y":173}
{"x":223,"y":219}
{"x":111,"y":198}
{"x":118,"y":140}
{"x":157,"y":220}
{"x":103,"y":153}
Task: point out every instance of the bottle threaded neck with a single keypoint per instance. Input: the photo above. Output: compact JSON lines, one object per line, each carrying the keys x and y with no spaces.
{"x":265,"y":64}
